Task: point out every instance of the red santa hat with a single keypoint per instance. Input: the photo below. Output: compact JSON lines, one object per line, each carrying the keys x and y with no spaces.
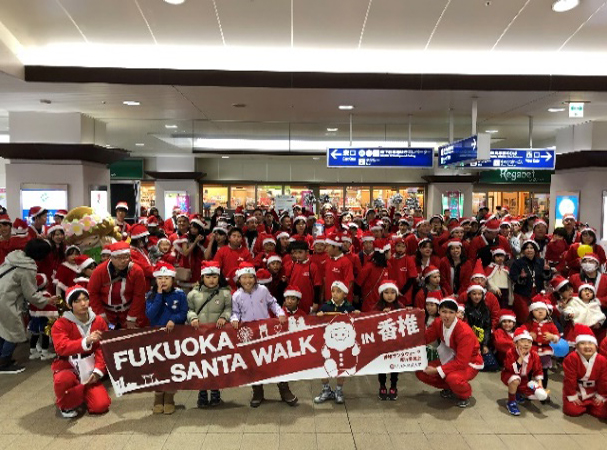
{"x":195,"y":218}
{"x":71,"y":247}
{"x":292,"y":291}
{"x":558,"y":282}
{"x":53,"y":228}
{"x":340,"y":285}
{"x":239,"y":212}
{"x":368,"y":237}
{"x":539,"y":222}
{"x":152,"y":222}
{"x":423,"y":241}
{"x":183,"y":214}
{"x":587,"y":286}
{"x":300,"y":219}
{"x":346,"y":238}
{"x":421,"y":222}
{"x":163,"y":269}
{"x":464,"y":220}
{"x":492,"y":225}
{"x":455,"y":227}
{"x":381,"y":245}
{"x":334,"y":239}
{"x":437,"y":216}
{"x":328,"y":212}
{"x":377,"y":224}
{"x":83,"y":261}
{"x":461,"y":307}
{"x":569,"y":216}
{"x":583,"y":333}
{"x":352,"y":225}
{"x":20,"y":227}
{"x":210,"y":268}
{"x":505,"y":223}
{"x":538,"y":302}
{"x":41,"y":281}
{"x":267,"y":239}
{"x":120,"y":248}
{"x":429,"y":270}
{"x":106,"y":250}
{"x":478,"y":271}
{"x":74,"y":292}
{"x":498,"y":251}
{"x":122,"y":205}
{"x":139,"y":231}
{"x":245,"y":268}
{"x":521,"y":333}
{"x":61,"y":213}
{"x":507,"y":314}
{"x":454,"y":243}
{"x":272,"y":257}
{"x":143,"y":220}
{"x":592,"y":256}
{"x":4,"y":218}
{"x":532,"y":242}
{"x":36,"y":211}
{"x":387,"y":284}
{"x":476,"y":287}
{"x":152,"y":242}
{"x":176,"y":210}
{"x":434,"y":297}
{"x":282,"y":234}
{"x":263,"y":276}
{"x":319,"y":239}
{"x":588,"y":229}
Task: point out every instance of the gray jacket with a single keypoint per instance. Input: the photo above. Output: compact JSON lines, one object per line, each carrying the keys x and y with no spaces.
{"x":17,"y":286}
{"x":219,"y":306}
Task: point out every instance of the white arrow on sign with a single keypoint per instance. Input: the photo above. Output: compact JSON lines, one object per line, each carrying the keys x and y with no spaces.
{"x":334,"y":154}
{"x":473,"y":144}
{"x":547,"y":156}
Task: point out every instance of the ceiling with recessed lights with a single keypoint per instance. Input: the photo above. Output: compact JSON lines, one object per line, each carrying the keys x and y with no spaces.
{"x":393,"y":36}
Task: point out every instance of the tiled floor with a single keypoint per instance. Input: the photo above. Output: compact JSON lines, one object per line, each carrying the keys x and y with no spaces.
{"x":419,"y":419}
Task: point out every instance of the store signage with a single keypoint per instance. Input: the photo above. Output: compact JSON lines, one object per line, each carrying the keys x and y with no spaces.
{"x":515,"y":176}
{"x":380,"y":157}
{"x":576,"y":109}
{"x":127,"y":169}
{"x":541,"y":159}
{"x":466,"y":150}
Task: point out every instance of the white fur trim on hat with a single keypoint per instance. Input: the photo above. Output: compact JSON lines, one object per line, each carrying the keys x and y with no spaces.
{"x":273,"y":258}
{"x":433,"y":300}
{"x":587,"y":256}
{"x":531,"y":241}
{"x":329,"y":241}
{"x":524,"y":335}
{"x":300,"y":219}
{"x":454,"y":243}
{"x":54,"y":228}
{"x":245,"y":271}
{"x":292,"y":293}
{"x":384,"y":286}
{"x":498,"y":251}
{"x":587,"y":286}
{"x":107,"y":251}
{"x":164,"y":272}
{"x":210,"y":270}
{"x":368,"y":239}
{"x":87,"y":262}
{"x":476,"y":287}
{"x":319,"y":241}
{"x":222,"y":229}
{"x":347,"y":239}
{"x":269,"y":240}
{"x":198,"y":222}
{"x":340,"y":285}
{"x":586,"y":338}
{"x":538,"y":305}
{"x":458,"y":228}
{"x":431,"y":272}
{"x":507,"y":317}
{"x":282,"y":234}
{"x":140,"y":235}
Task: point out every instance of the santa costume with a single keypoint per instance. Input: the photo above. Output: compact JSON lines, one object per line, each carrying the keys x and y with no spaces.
{"x":123,"y":227}
{"x":78,"y":359}
{"x":338,"y":268}
{"x":498,"y":279}
{"x":32,"y":232}
{"x":530,"y":369}
{"x":585,"y":380}
{"x":371,"y":277}
{"x":503,"y":340}
{"x":65,"y":275}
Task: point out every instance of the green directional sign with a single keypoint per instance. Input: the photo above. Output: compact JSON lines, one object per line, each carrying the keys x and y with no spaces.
{"x":515,"y":176}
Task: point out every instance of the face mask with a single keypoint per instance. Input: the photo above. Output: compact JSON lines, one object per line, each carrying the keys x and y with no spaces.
{"x":589,"y":267}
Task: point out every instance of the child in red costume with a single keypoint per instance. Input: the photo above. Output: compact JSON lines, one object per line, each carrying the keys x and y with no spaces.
{"x":522,"y":365}
{"x":585,"y":382}
{"x":67,"y":271}
{"x":503,"y":334}
{"x":290,"y":306}
{"x":80,"y":364}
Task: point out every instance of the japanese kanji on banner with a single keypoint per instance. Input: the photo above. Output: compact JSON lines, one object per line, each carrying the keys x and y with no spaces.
{"x":265,"y":351}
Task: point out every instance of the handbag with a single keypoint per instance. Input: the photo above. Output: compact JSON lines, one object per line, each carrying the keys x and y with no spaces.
{"x":183,"y":274}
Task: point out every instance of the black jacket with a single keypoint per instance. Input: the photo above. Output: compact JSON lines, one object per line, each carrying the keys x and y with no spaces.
{"x":536,"y":275}
{"x":479,"y":319}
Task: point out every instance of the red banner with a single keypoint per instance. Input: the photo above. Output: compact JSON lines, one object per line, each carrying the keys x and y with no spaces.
{"x":264,"y":351}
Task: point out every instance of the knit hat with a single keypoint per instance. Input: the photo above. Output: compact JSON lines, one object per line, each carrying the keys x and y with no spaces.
{"x":163,"y":269}
{"x":263,"y":276}
{"x":429,"y":270}
{"x":521,"y":333}
{"x":36,"y":211}
{"x":292,"y":291}
{"x":245,"y":268}
{"x":340,"y":285}
{"x":210,"y":268}
{"x":583,"y":333}
{"x":387,"y":284}
{"x":73,"y":292}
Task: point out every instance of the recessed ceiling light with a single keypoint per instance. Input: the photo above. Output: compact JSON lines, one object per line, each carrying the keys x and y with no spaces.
{"x":346,"y":107}
{"x":332,"y":130}
{"x":316,"y":158}
{"x":491,"y":131}
{"x":175,"y":2}
{"x":131,"y":103}
{"x":239,"y":105}
{"x":556,"y":109}
{"x":225,"y":157}
{"x":564,"y":5}
{"x":171,"y":127}
{"x":139,"y":144}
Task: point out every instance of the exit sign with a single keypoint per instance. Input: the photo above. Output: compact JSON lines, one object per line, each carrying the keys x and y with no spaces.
{"x":576,"y":109}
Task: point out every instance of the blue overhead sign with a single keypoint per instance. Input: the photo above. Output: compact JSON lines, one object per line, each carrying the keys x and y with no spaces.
{"x":466,"y":150}
{"x":512,"y":158}
{"x":380,"y":157}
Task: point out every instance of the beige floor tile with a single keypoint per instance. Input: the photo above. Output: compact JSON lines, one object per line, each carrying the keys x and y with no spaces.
{"x":472,"y":426}
{"x":327,"y":424}
{"x":520,"y":442}
{"x":334,"y":441}
{"x":260,"y":441}
{"x":107,"y":442}
{"x":442,"y":441}
{"x":397,"y":425}
{"x":224,"y":441}
{"x":484,"y":441}
{"x":262,"y":424}
{"x":145,"y":441}
{"x":580,"y":425}
{"x":433,"y":426}
{"x":369,"y":441}
{"x":590,"y":442}
{"x":178,"y":441}
{"x":297,"y":441}
{"x":411,"y":441}
{"x":71,"y":442}
{"x":558,"y":442}
{"x":373,"y":424}
{"x":31,"y":441}
{"x":296,"y":424}
{"x":506,"y":425}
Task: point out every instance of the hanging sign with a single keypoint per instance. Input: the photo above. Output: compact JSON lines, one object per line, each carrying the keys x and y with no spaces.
{"x":466,"y":150}
{"x":539,"y":159}
{"x":380,"y":157}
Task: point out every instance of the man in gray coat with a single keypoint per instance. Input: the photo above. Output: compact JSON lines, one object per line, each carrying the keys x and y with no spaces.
{"x":17,"y":285}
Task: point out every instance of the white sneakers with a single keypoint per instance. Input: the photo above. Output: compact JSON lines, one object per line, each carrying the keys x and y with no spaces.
{"x":44,"y":355}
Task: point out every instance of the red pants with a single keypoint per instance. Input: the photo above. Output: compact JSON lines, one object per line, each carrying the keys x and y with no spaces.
{"x":588,"y":406}
{"x":119,"y":318}
{"x":456,"y":381}
{"x":520,"y":306}
{"x":522,"y":389}
{"x":71,"y":393}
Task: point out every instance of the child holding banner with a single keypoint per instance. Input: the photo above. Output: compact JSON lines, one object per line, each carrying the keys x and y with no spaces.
{"x":166,"y":307}
{"x":210,"y":302}
{"x":250,"y":302}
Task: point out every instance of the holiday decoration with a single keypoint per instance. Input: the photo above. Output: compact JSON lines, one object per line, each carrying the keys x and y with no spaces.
{"x":396,"y":199}
{"x":379,"y":203}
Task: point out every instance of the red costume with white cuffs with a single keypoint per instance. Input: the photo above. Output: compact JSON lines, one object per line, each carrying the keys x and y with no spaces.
{"x":69,"y":338}
{"x":530,"y":369}
{"x":585,"y":380}
{"x":460,"y":359}
{"x":119,"y":297}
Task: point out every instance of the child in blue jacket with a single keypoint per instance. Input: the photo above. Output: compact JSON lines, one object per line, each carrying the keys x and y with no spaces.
{"x":165,"y":306}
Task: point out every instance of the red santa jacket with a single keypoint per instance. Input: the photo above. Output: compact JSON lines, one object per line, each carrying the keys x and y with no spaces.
{"x":338,"y":269}
{"x":319,"y":259}
{"x":440,"y":242}
{"x":461,"y":340}
{"x":297,"y":313}
{"x":64,"y":277}
{"x":32,"y":233}
{"x":502,"y":342}
{"x":124,"y":229}
{"x":572,"y":260}
{"x":540,"y":344}
{"x":369,"y":280}
{"x":600,"y":284}
{"x":141,"y":258}
{"x":119,"y":294}
{"x":447,"y":271}
{"x":531,"y":367}
{"x":401,"y":269}
{"x":355,"y":260}
{"x":306,"y":276}
{"x":69,"y":338}
{"x":584,"y":379}
{"x":411,"y":242}
{"x":603,"y":348}
{"x":229,"y":259}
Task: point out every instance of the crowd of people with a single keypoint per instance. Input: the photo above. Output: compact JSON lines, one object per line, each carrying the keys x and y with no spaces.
{"x":499,"y":293}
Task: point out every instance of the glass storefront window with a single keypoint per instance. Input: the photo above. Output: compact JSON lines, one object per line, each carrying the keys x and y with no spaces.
{"x":358,"y":198}
{"x":413,"y":198}
{"x":541,"y":204}
{"x":147,"y":193}
{"x":214,"y":196}
{"x":266,"y":194}
{"x":335,"y":193}
{"x":242,"y":196}
{"x":453,"y":201}
{"x":383,"y":192}
{"x":478,"y":199}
